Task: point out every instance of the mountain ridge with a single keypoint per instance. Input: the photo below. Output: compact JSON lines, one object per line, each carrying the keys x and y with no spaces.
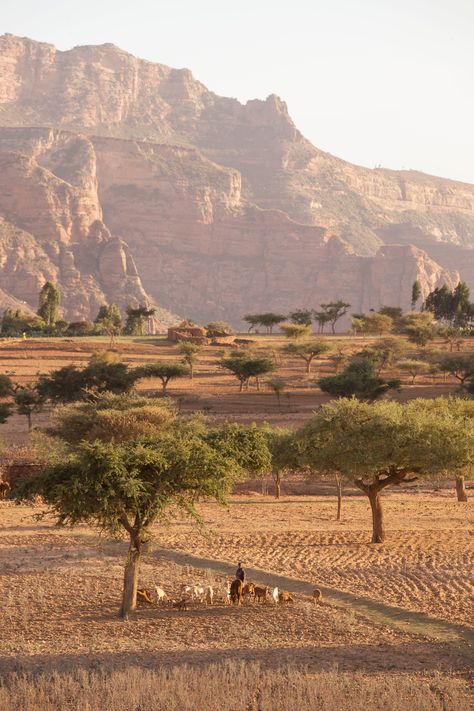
{"x":219,"y":207}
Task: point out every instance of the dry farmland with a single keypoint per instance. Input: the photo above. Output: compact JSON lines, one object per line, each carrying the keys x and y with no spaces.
{"x":394,"y":629}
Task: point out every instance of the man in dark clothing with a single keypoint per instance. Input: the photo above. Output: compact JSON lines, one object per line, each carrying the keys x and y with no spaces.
{"x":240,"y":573}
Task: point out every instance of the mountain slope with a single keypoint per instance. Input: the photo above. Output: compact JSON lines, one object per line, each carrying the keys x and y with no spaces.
{"x":140,"y":184}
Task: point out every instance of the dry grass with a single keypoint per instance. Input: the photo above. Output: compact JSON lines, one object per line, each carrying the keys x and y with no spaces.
{"x":236,"y":686}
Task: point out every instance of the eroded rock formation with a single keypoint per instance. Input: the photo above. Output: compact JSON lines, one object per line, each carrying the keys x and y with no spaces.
{"x":130,"y":181}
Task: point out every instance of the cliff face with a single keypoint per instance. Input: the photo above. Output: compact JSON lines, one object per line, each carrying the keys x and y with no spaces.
{"x":130,"y":181}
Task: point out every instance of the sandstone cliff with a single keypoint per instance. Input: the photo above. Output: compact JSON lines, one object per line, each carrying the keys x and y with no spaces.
{"x":131,"y":181}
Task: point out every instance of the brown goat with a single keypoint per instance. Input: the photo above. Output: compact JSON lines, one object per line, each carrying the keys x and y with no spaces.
{"x":284,"y":596}
{"x":237,"y":592}
{"x":317,"y":595}
{"x":144,"y":595}
{"x":180,"y":604}
{"x":249,"y":591}
{"x":4,"y":488}
{"x":261,"y":594}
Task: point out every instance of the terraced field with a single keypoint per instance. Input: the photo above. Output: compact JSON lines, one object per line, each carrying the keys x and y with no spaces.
{"x":426,"y":565}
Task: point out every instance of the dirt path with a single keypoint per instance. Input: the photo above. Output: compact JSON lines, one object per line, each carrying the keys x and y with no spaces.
{"x":406,"y":620}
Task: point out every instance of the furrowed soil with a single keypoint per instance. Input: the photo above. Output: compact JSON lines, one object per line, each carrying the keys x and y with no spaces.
{"x":402,"y":609}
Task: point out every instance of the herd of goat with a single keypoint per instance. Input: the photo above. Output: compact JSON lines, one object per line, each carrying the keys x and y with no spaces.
{"x":235,"y":592}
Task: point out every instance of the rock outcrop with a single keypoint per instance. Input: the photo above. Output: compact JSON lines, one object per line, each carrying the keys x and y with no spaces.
{"x":130,"y":181}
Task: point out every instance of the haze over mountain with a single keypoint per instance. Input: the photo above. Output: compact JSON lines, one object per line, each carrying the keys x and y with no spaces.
{"x":129,"y":181}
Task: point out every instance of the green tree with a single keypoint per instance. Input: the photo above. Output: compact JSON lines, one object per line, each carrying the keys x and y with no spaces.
{"x":284,"y":455}
{"x":384,"y":352}
{"x":415,"y":294}
{"x":165,"y":371}
{"x":277,"y":385}
{"x":307,"y":350}
{"x":6,"y":409}
{"x":266,"y":320}
{"x":385,"y":444}
{"x":253,"y":320}
{"x":321,"y":318}
{"x":109,"y":321}
{"x":358,"y":380}
{"x":71,"y":383}
{"x":6,"y":385}
{"x":304,"y":317}
{"x":136,"y":319}
{"x":413,"y":367}
{"x":419,"y":327}
{"x":214,"y":329}
{"x":245,"y":366}
{"x":111,"y":418}
{"x":28,"y":401}
{"x":334,"y":310}
{"x":375,"y":323}
{"x":190,"y":352}
{"x":453,"y":337}
{"x":460,"y":365}
{"x":129,"y":487}
{"x":295,"y":331}
{"x":395,"y":312}
{"x":49,"y":299}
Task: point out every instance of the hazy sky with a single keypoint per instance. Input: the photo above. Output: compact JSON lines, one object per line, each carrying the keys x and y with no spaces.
{"x":385,"y":82}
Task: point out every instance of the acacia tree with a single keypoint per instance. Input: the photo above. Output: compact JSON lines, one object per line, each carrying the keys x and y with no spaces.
{"x":460,"y":365}
{"x":321,"y":318}
{"x":334,"y":310}
{"x":385,"y":444}
{"x":307,"y":350}
{"x":165,"y":371}
{"x":284,"y":455}
{"x":384,"y":352}
{"x":28,"y":401}
{"x":190,"y":352}
{"x":302,"y":316}
{"x":413,"y":367}
{"x":245,"y":366}
{"x":277,"y":385}
{"x":48,"y":308}
{"x":267,"y":320}
{"x":129,"y":487}
{"x":109,"y":320}
{"x":70,"y":383}
{"x":296,"y":331}
{"x":359,"y":380}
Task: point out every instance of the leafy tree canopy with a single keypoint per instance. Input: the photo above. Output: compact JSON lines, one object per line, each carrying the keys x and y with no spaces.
{"x":359,"y":380}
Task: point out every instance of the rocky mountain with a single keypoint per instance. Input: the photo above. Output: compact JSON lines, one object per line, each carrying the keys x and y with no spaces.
{"x":130,"y":181}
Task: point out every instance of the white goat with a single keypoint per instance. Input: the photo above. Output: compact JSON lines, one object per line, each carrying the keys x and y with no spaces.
{"x":275,"y":595}
{"x":209,"y":595}
{"x":160,"y":594}
{"x":199,"y":591}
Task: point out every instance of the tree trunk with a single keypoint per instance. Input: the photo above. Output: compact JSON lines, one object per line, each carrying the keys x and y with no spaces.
{"x":461,"y":489}
{"x":28,"y":416}
{"x":339,"y":496}
{"x":308,"y":366}
{"x":130,"y":578}
{"x":257,"y":381}
{"x":191,"y":370}
{"x":277,"y":486}
{"x":378,"y":530}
